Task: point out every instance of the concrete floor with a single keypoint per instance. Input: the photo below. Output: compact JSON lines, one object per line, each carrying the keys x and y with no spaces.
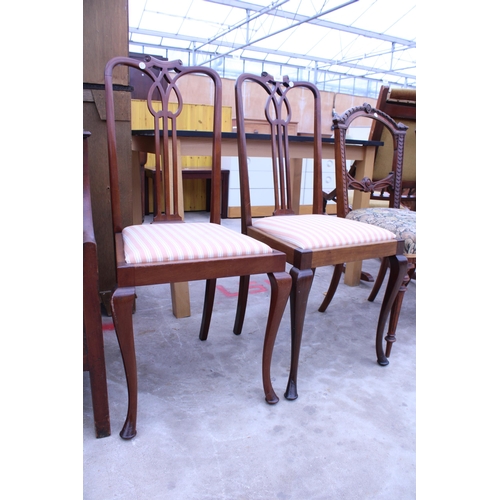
{"x":205,"y":430}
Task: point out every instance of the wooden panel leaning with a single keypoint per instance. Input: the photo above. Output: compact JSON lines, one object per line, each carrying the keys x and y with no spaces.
{"x":93,"y":345}
{"x":401,"y":106}
{"x":309,"y":240}
{"x":170,"y":250}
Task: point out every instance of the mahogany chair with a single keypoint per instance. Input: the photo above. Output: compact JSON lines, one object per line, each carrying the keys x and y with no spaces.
{"x":93,"y":345}
{"x":311,"y":240}
{"x":397,"y":219}
{"x":169,"y":250}
{"x":401,"y":105}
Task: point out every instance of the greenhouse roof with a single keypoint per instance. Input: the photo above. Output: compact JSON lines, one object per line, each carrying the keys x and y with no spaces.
{"x":351,"y":46}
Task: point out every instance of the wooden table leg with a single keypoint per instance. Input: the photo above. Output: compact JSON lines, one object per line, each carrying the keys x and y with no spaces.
{"x":364,"y":168}
{"x":181,"y":307}
{"x":295,"y":181}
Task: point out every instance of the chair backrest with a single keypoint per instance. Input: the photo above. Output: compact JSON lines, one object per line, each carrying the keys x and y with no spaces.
{"x":344,"y":180}
{"x":400,"y":105}
{"x":165,"y":103}
{"x":277,"y":111}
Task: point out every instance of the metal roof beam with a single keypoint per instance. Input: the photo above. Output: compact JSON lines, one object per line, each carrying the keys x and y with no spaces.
{"x":303,"y":20}
{"x":410,"y":79}
{"x":323,"y":61}
{"x":261,"y":12}
{"x":319,"y":22}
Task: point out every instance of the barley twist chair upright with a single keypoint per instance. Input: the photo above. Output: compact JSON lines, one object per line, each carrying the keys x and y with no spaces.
{"x":310,"y":240}
{"x":399,"y":220}
{"x":170,"y":250}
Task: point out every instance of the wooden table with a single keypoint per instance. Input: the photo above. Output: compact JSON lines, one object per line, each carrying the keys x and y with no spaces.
{"x":192,"y":143}
{"x":194,"y":173}
{"x":301,"y":146}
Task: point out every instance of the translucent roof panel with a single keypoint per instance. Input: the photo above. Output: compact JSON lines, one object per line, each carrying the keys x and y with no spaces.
{"x":359,"y":43}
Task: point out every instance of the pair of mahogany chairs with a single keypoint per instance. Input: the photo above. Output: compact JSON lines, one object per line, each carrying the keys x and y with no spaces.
{"x":170,"y":251}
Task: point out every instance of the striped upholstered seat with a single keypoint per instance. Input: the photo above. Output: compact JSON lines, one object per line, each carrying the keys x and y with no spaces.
{"x":315,"y":231}
{"x":193,"y":241}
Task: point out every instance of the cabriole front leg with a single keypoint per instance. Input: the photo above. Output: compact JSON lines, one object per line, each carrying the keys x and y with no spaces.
{"x":301,"y":286}
{"x":122,"y":304}
{"x":397,"y":271}
{"x":281,"y":284}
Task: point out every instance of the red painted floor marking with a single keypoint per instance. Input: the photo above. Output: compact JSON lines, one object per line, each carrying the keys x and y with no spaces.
{"x":108,"y":327}
{"x":253,"y":287}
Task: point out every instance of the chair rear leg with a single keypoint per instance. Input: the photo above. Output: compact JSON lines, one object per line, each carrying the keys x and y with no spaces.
{"x":208,"y":307}
{"x":122,"y":304}
{"x":380,"y":279}
{"x":98,"y":383}
{"x":397,"y":265}
{"x":301,"y":286}
{"x":337,"y":273}
{"x":242,"y":304}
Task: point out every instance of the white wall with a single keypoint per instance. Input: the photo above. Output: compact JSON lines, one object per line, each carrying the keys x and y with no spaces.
{"x":261,"y":181}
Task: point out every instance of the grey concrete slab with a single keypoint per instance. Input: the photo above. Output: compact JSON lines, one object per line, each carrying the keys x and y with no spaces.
{"x":205,"y":430}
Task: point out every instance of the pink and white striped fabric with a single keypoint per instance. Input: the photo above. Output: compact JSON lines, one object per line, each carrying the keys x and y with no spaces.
{"x":316,"y":231}
{"x":186,"y":241}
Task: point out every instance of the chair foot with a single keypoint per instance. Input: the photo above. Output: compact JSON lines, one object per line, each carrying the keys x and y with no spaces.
{"x":366,"y":277}
{"x":128,"y":431}
{"x":272,"y":399}
{"x":103,"y":434}
{"x":291,"y":391}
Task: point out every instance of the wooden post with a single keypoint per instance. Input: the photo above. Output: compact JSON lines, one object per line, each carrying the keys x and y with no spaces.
{"x":364,"y":168}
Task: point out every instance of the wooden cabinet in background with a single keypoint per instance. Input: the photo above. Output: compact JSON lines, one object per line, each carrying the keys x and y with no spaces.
{"x":105,"y":35}
{"x":197,"y":117}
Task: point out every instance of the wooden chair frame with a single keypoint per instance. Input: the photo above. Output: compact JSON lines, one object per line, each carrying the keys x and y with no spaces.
{"x":304,"y":261}
{"x":165,"y":76}
{"x":392,"y":183}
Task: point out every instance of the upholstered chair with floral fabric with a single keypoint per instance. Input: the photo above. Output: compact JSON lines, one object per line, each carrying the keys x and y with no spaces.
{"x":397,"y":219}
